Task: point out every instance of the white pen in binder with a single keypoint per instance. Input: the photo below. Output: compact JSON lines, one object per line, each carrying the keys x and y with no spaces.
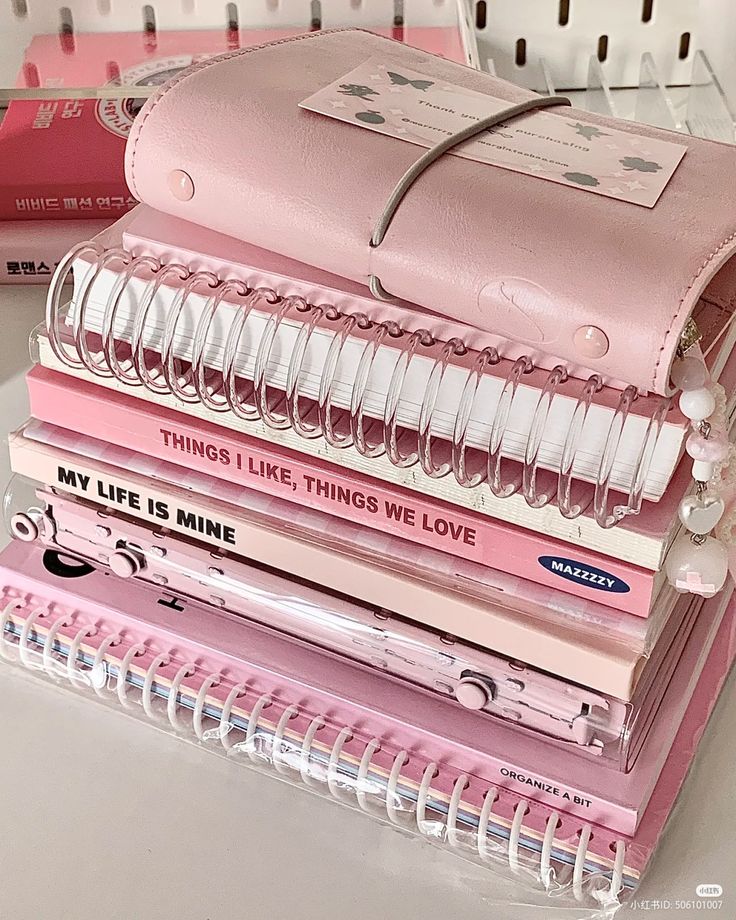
{"x":311,"y":357}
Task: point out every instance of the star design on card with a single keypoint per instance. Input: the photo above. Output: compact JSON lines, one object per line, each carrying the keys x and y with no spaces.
{"x":396,"y":111}
{"x":400,"y":130}
{"x":615,"y":190}
{"x":635,"y":185}
{"x":635,"y":142}
{"x":612,"y":146}
{"x":536,"y":167}
{"x":394,"y":89}
{"x":338,"y":104}
{"x":375,"y":76}
{"x":618,"y":175}
{"x":587,"y":131}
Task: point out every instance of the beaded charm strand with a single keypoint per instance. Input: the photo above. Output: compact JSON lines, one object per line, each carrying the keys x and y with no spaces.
{"x":697,"y":562}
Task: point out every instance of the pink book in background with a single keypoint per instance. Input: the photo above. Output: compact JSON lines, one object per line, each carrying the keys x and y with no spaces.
{"x":31,"y":249}
{"x":64,"y":158}
{"x":76,"y":627}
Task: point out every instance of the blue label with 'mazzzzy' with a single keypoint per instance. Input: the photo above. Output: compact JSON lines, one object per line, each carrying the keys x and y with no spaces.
{"x":586,"y":575}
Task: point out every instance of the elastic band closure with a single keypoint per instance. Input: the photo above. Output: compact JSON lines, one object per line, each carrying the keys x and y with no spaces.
{"x":434,"y":153}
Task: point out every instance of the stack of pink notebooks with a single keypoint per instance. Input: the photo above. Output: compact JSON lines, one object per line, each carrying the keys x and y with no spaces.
{"x":411,"y":548}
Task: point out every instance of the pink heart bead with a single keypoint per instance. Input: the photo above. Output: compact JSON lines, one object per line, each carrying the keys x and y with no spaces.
{"x":713,"y":449}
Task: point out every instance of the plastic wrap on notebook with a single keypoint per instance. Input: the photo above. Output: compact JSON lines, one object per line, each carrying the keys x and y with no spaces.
{"x":476,"y":678}
{"x":573,"y":638}
{"x":538,"y":263}
{"x":174,"y":663}
{"x":121,"y":419}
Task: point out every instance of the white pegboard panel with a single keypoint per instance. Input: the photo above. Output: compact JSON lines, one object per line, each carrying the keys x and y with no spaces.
{"x":500,"y":25}
{"x":20,"y":20}
{"x":567,"y":32}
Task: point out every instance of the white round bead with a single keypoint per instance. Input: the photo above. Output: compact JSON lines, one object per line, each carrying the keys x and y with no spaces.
{"x":694,"y":569}
{"x":697,"y":404}
{"x":703,"y":470}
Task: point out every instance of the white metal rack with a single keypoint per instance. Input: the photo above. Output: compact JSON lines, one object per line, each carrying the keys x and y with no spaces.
{"x":671,"y":62}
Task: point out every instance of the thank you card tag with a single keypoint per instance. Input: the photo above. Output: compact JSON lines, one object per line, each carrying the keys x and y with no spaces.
{"x":557,"y":147}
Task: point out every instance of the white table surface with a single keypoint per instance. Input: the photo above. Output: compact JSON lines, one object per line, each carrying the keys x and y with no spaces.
{"x":101,"y":816}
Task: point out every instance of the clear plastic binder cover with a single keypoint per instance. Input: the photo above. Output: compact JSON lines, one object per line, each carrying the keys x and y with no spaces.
{"x":246,"y":711}
{"x":457,"y":672}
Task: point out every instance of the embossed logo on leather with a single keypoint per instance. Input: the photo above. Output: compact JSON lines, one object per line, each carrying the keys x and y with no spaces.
{"x":519,"y":309}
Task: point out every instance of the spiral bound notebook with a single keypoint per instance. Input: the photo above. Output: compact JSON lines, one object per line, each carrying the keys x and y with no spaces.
{"x":403,"y":395}
{"x":514,"y":618}
{"x":174,"y":663}
{"x":479,"y":679}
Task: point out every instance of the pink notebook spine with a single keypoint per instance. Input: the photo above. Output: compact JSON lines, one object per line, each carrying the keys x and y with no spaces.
{"x":184,"y":652}
{"x":158,"y":432}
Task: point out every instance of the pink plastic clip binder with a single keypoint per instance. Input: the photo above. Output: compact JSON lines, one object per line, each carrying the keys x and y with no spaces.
{"x":453,"y":671}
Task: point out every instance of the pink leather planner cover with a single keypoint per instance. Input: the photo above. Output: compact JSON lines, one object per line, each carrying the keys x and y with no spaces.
{"x":533,"y":261}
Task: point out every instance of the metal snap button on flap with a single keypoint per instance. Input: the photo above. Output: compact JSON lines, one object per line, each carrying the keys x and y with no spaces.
{"x":180,"y":185}
{"x":590,"y":342}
